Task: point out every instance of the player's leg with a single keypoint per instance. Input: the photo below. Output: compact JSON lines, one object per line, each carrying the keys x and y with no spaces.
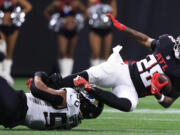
{"x":70,"y":52}
{"x":112,"y":100}
{"x":3,"y":50}
{"x":107,"y":45}
{"x":127,"y":92}
{"x":7,"y":63}
{"x":95,"y":43}
{"x":105,"y":74}
{"x":123,"y":102}
{"x":62,"y":45}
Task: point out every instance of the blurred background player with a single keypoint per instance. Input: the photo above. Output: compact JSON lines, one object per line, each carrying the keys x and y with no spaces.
{"x":12,"y":15}
{"x":2,"y":48}
{"x":101,"y":29}
{"x":66,"y":21}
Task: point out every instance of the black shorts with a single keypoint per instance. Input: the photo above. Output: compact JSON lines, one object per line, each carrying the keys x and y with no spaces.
{"x":68,"y":33}
{"x":8,"y":30}
{"x":102,"y":32}
{"x":13,"y":105}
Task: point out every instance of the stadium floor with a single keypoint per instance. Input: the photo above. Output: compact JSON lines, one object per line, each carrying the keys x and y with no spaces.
{"x":148,"y":119}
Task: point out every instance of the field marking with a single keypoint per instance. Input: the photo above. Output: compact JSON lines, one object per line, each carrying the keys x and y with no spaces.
{"x":156,"y":111}
{"x":142,"y":119}
{"x":135,"y":130}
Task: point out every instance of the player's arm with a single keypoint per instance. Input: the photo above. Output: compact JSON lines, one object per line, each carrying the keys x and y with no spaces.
{"x":156,"y":90}
{"x":40,"y":90}
{"x":139,"y":37}
{"x":47,"y":12}
{"x":165,"y":101}
{"x":26,"y":5}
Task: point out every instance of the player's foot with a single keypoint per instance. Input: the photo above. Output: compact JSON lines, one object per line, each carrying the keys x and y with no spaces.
{"x":82,"y":83}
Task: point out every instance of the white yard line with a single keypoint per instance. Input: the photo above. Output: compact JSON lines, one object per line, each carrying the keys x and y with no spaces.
{"x":142,"y":119}
{"x":134,"y":130}
{"x":157,"y":111}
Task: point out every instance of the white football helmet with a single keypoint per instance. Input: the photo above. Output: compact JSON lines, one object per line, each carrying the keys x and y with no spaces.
{"x":177,"y":48}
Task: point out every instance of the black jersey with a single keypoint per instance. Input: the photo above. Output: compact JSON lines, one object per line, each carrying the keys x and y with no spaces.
{"x":162,"y":60}
{"x":7,"y":5}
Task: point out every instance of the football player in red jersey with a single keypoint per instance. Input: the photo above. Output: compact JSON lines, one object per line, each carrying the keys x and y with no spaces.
{"x":135,"y":80}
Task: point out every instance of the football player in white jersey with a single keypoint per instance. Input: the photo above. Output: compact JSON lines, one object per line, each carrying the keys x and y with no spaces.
{"x":64,"y":111}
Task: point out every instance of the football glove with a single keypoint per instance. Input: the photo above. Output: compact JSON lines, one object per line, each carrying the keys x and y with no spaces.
{"x":117,"y":24}
{"x":82,"y":83}
{"x":156,"y":86}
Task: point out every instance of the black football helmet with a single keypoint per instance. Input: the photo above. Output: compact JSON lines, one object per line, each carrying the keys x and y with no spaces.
{"x":90,"y":107}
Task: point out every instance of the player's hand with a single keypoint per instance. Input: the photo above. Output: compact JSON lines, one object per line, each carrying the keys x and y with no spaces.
{"x":39,"y":83}
{"x":82,"y":83}
{"x":117,"y":24}
{"x":156,"y":86}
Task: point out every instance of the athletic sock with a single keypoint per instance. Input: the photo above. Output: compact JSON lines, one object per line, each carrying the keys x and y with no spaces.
{"x":112,"y":100}
{"x":7,"y":64}
{"x":94,"y":62}
{"x":102,"y":61}
{"x":66,"y":66}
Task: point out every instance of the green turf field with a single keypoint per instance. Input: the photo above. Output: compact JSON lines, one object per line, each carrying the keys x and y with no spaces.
{"x":148,"y":119}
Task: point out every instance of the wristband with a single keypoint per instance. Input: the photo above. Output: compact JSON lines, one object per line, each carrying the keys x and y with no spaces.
{"x":161,"y":99}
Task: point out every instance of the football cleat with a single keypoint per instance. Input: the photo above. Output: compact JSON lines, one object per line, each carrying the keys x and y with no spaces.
{"x":82,"y":83}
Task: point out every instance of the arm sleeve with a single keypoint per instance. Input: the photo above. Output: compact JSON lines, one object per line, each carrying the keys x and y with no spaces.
{"x":55,"y":100}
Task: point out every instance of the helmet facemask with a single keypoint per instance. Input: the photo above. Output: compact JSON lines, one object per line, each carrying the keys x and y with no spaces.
{"x":177,"y":48}
{"x":90,"y":107}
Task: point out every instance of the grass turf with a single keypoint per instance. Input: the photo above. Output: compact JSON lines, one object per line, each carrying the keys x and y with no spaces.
{"x":115,"y":123}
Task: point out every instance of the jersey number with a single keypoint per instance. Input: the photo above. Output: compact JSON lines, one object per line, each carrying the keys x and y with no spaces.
{"x":147,"y":67}
{"x":53,"y":117}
